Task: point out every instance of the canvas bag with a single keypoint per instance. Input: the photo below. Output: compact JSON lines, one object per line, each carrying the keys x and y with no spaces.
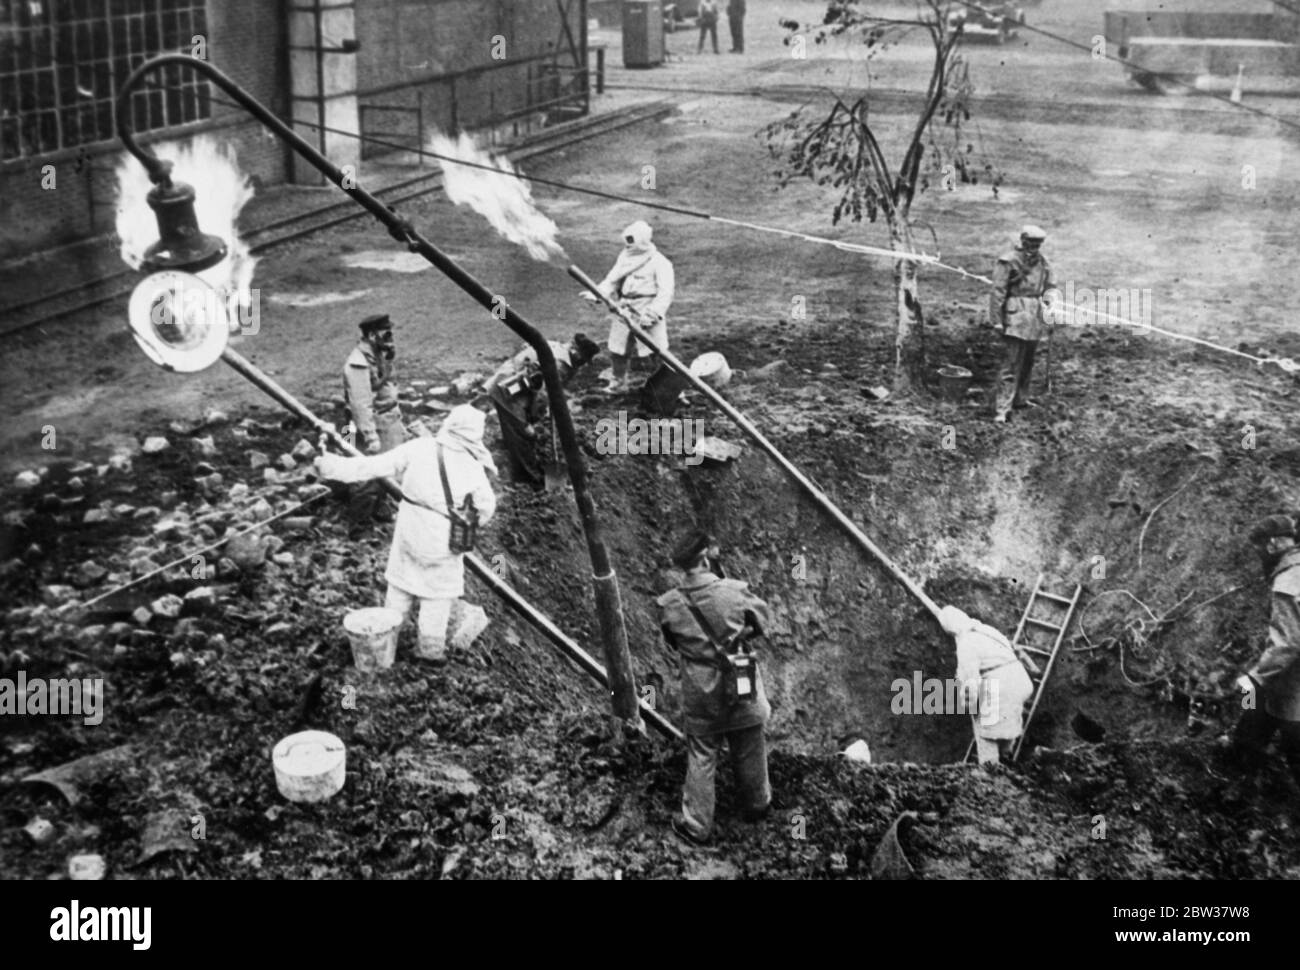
{"x":463,"y":533}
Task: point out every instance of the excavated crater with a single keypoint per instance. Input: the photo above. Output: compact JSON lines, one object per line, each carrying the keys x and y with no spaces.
{"x":1143,"y":510}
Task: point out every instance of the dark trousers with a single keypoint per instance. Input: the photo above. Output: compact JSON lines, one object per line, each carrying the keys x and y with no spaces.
{"x":520,"y":438}
{"x":737,"y":25}
{"x":748,"y":762}
{"x":711,"y":29}
{"x":1256,"y":729}
{"x":1013,"y":379}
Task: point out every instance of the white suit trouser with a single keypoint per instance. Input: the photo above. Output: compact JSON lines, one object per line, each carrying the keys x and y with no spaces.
{"x":431,"y":642}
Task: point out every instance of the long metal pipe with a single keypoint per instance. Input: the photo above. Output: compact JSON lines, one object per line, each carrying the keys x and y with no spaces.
{"x":568,"y":646}
{"x":609,"y":613}
{"x":540,"y":621}
{"x":758,"y":437}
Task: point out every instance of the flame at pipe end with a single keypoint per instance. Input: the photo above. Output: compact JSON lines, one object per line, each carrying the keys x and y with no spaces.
{"x":221,"y":191}
{"x":499,"y":195}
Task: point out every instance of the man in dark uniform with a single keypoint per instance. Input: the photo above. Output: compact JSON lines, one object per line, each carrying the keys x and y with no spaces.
{"x":1021,"y":282}
{"x":1272,"y":687}
{"x":370,"y":393}
{"x":703,"y":619}
{"x":736,"y":21}
{"x":517,"y":391}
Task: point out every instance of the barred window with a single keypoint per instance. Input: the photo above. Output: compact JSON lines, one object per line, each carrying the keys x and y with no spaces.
{"x":62,"y":62}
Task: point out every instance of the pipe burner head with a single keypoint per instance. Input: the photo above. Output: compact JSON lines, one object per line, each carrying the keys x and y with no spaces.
{"x":179,"y":321}
{"x":181,"y":244}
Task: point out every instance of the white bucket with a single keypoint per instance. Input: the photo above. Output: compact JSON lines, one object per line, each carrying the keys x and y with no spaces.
{"x":373,"y":634}
{"x":86,"y":867}
{"x":310,"y":766}
{"x":712,"y":368}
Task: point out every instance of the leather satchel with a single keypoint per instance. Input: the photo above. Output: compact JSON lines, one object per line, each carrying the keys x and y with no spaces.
{"x":464,"y":520}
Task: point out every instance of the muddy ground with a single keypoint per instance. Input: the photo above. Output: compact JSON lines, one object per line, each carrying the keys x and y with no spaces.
{"x":502,"y":764}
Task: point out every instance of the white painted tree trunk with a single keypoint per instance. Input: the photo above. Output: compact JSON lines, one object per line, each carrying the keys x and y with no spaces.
{"x":909,"y":346}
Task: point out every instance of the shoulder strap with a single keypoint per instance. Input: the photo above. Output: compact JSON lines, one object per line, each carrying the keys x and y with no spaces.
{"x":446,"y":486}
{"x":645,"y":262}
{"x":698,"y":614}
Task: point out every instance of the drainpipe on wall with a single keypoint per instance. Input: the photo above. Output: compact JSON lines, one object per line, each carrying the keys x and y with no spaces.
{"x":323,"y":84}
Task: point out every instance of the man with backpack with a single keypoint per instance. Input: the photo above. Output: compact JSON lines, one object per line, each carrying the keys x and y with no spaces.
{"x":708,"y":621}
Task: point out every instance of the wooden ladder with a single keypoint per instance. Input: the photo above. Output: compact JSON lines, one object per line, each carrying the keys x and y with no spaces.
{"x":1040,"y":632}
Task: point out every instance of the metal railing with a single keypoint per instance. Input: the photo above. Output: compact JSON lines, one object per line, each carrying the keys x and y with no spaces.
{"x":368,"y":149}
{"x":548,"y":87}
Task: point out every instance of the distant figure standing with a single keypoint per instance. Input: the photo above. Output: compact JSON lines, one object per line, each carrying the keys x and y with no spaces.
{"x":708,"y":24}
{"x":1021,"y":281}
{"x":736,"y":21}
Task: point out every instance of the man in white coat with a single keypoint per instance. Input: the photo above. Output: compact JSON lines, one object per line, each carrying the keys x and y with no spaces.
{"x":642,"y":280}
{"x":421,"y":565}
{"x":994,"y":683}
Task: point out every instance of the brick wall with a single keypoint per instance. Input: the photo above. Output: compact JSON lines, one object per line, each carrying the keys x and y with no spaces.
{"x":246,"y":41}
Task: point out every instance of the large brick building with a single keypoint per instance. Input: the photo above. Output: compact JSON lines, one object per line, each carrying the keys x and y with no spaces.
{"x":390,"y":67}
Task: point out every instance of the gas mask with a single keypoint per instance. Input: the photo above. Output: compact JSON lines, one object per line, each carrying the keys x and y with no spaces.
{"x":1271,"y":552}
{"x":384,"y":344}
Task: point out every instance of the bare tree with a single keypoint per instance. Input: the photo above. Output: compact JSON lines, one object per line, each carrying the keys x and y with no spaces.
{"x":847,"y":148}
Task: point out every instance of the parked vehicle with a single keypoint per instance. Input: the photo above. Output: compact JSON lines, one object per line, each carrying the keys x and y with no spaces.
{"x":997,"y":21}
{"x":1176,"y":51}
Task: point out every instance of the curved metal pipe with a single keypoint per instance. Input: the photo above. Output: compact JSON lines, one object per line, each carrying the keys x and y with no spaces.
{"x":618,"y":658}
